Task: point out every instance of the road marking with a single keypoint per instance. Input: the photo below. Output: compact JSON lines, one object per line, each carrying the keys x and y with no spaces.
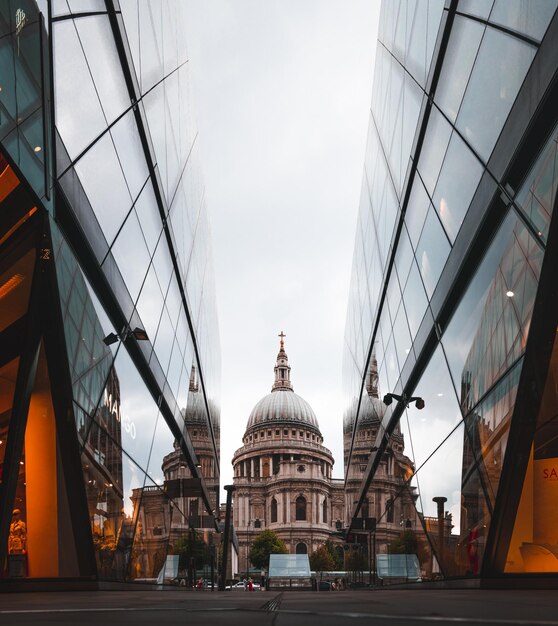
{"x":273,"y":604}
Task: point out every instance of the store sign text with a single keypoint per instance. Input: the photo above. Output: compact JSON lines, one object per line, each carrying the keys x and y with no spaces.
{"x":114,"y":409}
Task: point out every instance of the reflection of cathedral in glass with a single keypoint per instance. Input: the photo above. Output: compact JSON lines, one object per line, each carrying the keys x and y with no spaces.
{"x":168,"y":520}
{"x":488,"y":387}
{"x":107,"y":299}
{"x":453,"y":283}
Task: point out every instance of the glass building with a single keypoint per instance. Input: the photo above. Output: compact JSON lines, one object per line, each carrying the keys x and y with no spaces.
{"x":109,"y":346}
{"x":454,"y":289}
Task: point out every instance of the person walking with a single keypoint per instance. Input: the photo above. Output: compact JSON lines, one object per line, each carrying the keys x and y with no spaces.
{"x":250,"y":585}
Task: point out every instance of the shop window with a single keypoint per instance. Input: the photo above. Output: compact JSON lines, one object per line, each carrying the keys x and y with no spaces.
{"x":534,"y":543}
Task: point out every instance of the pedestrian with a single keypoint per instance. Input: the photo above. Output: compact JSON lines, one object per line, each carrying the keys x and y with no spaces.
{"x":250,"y":585}
{"x":245,"y":584}
{"x":200,"y":584}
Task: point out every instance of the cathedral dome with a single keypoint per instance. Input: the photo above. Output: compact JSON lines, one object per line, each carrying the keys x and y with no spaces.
{"x":285,"y":408}
{"x":282,"y":406}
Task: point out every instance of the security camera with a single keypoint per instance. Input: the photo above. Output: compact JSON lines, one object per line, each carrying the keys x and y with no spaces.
{"x":388,"y":399}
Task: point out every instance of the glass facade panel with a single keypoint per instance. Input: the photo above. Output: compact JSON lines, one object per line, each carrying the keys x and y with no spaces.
{"x":151,"y":45}
{"x":440,"y":478}
{"x":97,"y":41}
{"x":25,"y":94}
{"x":463,"y":287}
{"x":499,"y":70}
{"x":434,"y":148}
{"x":148,"y":217}
{"x":132,"y":260}
{"x":441,"y":413}
{"x":456,"y":185}
{"x":414,"y":297}
{"x":110,"y":203}
{"x":489,"y":330}
{"x":479,"y":8}
{"x":529,"y":18}
{"x":463,"y":46}
{"x":537,"y":194}
{"x":107,"y":310}
{"x":432,"y":251}
{"x":128,"y":147}
{"x":71,"y":69}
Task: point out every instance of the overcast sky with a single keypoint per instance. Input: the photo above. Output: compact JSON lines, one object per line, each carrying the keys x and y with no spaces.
{"x":282,"y":90}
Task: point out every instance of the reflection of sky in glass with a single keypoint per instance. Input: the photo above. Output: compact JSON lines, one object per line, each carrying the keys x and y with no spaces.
{"x":133,"y":478}
{"x":441,"y":412}
{"x":441,"y":476}
{"x":162,"y":445}
{"x":423,"y":430}
{"x":137,"y":409}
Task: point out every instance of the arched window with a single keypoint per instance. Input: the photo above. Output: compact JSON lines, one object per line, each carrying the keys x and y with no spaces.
{"x":301,"y":548}
{"x":324,"y":511}
{"x":389,"y":511}
{"x":273,"y":510}
{"x":300,"y":510}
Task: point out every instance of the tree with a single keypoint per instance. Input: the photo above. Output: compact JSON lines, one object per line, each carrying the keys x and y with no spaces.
{"x":356,"y":561}
{"x":192,"y":551}
{"x":321,"y":560}
{"x":336,"y":556}
{"x":406,"y":543}
{"x":266,"y":543}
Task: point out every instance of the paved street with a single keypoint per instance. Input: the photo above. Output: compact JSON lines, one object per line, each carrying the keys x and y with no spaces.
{"x":390,"y":607}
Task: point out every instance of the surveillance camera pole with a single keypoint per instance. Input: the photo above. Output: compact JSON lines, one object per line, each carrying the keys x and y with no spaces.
{"x":404,"y":400}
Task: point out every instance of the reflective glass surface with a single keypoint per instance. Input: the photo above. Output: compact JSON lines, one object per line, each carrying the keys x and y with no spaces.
{"x":461,"y":283}
{"x":530,"y":18}
{"x":110,"y":288}
{"x":499,"y":70}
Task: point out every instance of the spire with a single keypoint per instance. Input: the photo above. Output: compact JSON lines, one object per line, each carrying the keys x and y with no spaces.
{"x":372,"y":382}
{"x":282,"y":368}
{"x":193,"y":386}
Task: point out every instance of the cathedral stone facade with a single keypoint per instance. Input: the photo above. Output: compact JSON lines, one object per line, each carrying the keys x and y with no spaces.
{"x":283,"y":482}
{"x":283,"y":474}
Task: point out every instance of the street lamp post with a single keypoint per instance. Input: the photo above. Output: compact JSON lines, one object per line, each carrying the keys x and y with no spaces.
{"x":440,"y":501}
{"x":247,"y":547}
{"x":226,"y":539}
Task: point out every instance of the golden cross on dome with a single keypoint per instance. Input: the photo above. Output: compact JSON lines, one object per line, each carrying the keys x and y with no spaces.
{"x":282,"y":336}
